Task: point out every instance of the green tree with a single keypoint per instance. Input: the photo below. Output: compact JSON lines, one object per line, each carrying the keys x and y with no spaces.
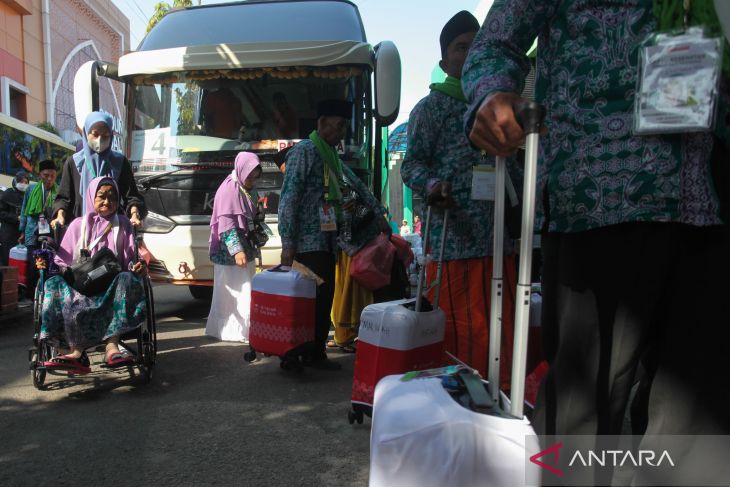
{"x":48,"y":127}
{"x":162,"y":8}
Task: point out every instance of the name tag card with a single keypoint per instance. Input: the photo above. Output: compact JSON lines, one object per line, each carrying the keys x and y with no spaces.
{"x":677,"y":87}
{"x":483,"y":183}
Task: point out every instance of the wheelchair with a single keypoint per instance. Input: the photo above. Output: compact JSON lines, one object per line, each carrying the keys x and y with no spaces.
{"x":141,"y":343}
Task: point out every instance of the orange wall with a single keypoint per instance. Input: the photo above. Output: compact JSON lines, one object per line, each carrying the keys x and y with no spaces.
{"x":34,"y":69}
{"x":11,"y":43}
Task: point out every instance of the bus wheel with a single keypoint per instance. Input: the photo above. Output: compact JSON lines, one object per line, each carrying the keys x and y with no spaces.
{"x":202,"y":292}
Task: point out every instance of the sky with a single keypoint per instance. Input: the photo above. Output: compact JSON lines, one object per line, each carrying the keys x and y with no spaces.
{"x":413,"y":25}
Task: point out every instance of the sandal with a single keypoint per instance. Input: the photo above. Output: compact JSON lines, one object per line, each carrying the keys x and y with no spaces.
{"x":349,"y":348}
{"x":66,"y":362}
{"x":119,"y":359}
{"x":332,"y":344}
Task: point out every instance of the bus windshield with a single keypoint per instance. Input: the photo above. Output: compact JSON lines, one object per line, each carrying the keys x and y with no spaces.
{"x":206,"y":119}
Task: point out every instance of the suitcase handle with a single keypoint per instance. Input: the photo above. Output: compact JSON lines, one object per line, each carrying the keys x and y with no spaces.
{"x":422,"y":271}
{"x":529,"y":115}
{"x":280,"y":268}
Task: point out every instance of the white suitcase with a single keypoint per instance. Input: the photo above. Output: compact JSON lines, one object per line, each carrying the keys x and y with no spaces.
{"x":396,"y":337}
{"x":421,"y":436}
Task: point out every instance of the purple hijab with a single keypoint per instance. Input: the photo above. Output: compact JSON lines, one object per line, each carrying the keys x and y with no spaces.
{"x":120,"y":239}
{"x":231,"y":209}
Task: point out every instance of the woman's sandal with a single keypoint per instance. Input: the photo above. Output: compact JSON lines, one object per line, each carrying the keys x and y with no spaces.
{"x":348,"y":348}
{"x":71,"y":364}
{"x":119,"y":359}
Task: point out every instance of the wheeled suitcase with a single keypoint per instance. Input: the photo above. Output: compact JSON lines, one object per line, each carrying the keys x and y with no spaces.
{"x":448,"y":427}
{"x":18,"y":257}
{"x":395,"y":337}
{"x":282,"y":315}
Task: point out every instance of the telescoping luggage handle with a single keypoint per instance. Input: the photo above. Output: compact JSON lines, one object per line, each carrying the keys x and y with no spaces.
{"x":530,"y":115}
{"x":439,"y":264}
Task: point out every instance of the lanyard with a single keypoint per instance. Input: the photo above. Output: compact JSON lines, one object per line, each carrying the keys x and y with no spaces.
{"x":46,"y":200}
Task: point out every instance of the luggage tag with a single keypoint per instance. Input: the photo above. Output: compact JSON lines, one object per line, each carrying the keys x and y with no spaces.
{"x":483,"y":182}
{"x":327,"y":218}
{"x":43,"y":227}
{"x":677,"y":83}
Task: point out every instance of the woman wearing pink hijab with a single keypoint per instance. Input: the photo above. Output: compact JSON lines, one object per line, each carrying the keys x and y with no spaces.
{"x":232,"y":252}
{"x":74,"y":321}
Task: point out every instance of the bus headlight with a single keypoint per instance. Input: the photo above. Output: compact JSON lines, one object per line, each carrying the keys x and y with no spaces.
{"x":155,"y":223}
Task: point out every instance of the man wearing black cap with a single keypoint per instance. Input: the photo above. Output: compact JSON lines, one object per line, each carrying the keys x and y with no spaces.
{"x":443,"y":167}
{"x":35,"y":215}
{"x":311,"y":208}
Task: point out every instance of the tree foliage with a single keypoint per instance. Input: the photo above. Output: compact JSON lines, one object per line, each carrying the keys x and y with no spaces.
{"x":48,"y":127}
{"x":162,"y":9}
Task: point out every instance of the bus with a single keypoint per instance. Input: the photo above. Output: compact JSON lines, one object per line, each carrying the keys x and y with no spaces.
{"x":210,"y":81}
{"x":23,"y":146}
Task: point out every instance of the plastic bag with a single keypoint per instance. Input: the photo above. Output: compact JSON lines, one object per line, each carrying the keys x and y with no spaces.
{"x":402,"y":249}
{"x":372,"y":265}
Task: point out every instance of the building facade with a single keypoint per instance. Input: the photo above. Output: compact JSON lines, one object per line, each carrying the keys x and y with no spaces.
{"x":43,"y":43}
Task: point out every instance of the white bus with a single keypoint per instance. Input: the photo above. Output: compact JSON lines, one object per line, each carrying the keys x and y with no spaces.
{"x":210,"y":81}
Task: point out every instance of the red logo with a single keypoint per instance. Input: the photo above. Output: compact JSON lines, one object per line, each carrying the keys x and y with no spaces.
{"x":553,"y":449}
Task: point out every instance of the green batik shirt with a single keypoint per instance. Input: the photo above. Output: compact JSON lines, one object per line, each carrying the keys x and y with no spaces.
{"x":302,"y":196}
{"x":438,"y":150}
{"x":597,"y":173}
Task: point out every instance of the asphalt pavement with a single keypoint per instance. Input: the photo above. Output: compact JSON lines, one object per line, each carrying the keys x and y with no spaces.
{"x":207,"y":417}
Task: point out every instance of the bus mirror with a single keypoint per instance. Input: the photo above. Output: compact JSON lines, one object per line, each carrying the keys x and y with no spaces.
{"x":387,"y":82}
{"x":86,"y":87}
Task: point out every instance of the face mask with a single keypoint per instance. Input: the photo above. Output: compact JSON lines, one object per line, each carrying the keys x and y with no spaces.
{"x":21,"y":187}
{"x":99,"y":144}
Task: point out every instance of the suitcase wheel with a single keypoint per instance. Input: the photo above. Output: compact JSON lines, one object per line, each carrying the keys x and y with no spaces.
{"x":249,"y":356}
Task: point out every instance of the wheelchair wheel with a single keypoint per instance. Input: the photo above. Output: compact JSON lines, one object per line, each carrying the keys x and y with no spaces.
{"x":41,"y":353}
{"x":38,"y":306}
{"x":38,"y":375}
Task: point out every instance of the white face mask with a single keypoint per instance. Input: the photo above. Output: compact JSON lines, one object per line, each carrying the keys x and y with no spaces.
{"x":21,"y":187}
{"x":99,"y":144}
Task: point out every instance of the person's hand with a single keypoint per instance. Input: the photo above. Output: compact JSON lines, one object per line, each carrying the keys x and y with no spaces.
{"x":287,"y":257}
{"x":495,"y":128}
{"x":140,"y":268}
{"x":240,"y":259}
{"x":440,"y":195}
{"x":134,"y":217}
{"x":40,"y":263}
{"x":21,"y":239}
{"x":59,"y":220}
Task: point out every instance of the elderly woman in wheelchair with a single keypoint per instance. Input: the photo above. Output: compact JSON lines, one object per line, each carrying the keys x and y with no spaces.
{"x":99,"y":296}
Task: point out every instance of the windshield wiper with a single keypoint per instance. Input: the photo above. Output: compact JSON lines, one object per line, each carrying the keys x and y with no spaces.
{"x":144,"y":183}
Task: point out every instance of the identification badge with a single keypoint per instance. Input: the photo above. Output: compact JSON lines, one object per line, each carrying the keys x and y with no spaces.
{"x":483,"y":183}
{"x":43,"y":227}
{"x":327,"y":218}
{"x":677,"y":87}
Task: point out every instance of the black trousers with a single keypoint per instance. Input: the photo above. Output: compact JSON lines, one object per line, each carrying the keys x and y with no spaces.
{"x":322,"y":264}
{"x":616,"y":295}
